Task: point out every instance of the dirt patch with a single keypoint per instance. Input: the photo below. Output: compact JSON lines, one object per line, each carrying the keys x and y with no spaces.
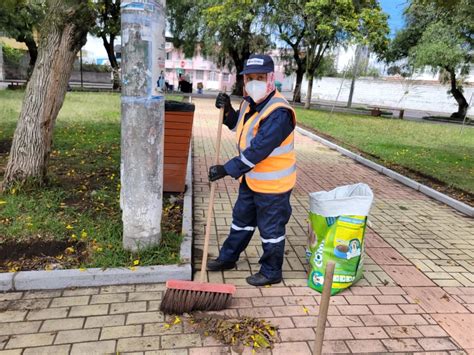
{"x":458,"y":194}
{"x":38,"y":254}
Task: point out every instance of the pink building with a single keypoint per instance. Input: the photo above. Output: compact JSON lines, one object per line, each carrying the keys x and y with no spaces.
{"x":203,"y":70}
{"x":199,"y":69}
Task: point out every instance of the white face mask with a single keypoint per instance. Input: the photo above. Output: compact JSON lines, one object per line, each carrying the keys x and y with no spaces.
{"x":256,"y":89}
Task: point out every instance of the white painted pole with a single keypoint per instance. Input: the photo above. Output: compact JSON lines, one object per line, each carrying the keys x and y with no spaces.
{"x":143,"y":58}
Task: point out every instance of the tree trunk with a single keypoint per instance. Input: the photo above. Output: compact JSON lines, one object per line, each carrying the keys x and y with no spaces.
{"x":354,"y":75}
{"x":307,"y":104}
{"x":458,"y":96}
{"x":33,"y":52}
{"x":239,"y":82}
{"x":299,"y":80}
{"x":109,"y":47}
{"x":61,"y":39}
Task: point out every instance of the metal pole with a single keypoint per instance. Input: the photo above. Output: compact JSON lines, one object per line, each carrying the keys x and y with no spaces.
{"x":340,"y":89}
{"x":82,"y":82}
{"x":142,"y":142}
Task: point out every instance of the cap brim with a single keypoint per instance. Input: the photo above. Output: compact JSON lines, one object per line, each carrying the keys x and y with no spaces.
{"x":255,"y":71}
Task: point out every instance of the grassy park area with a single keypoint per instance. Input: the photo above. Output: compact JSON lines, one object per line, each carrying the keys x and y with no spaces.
{"x":421,"y":150}
{"x":78,"y":211}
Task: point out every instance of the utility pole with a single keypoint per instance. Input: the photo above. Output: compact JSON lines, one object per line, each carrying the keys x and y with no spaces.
{"x":143,"y":57}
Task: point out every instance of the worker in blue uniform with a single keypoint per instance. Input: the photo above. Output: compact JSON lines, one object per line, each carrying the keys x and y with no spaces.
{"x":265,"y":167}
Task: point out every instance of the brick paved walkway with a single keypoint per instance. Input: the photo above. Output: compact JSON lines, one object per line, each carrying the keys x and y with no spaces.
{"x":417,"y":295}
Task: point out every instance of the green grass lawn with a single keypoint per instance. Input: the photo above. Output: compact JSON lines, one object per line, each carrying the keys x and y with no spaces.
{"x":80,"y":204}
{"x":435,"y":150}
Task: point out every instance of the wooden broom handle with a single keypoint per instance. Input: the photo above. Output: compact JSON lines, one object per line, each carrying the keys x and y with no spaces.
{"x":211,"y":201}
{"x":323,"y":309}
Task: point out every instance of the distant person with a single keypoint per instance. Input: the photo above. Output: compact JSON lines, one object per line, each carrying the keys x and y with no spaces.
{"x":186,"y":85}
{"x":161,"y":82}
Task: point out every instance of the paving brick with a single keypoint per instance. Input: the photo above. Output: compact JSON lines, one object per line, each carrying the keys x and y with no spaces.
{"x":298,"y":334}
{"x":104,"y":321}
{"x":359,"y":291}
{"x":407,"y":275}
{"x":385,"y":309}
{"x":19,"y":327}
{"x":258,"y":312}
{"x":365,"y":300}
{"x":294,"y":311}
{"x":267,"y":301}
{"x":282,"y":322}
{"x":299,"y":300}
{"x":12,"y":316}
{"x":334,"y":300}
{"x":146,"y":317}
{"x":91,"y":310}
{"x":138,"y":344}
{"x":252,"y":292}
{"x":390,"y":299}
{"x":435,"y":300}
{"x":305,"y":321}
{"x":456,"y":326}
{"x":126,"y":331}
{"x":8,"y":296}
{"x":42,"y":294}
{"x":211,"y":350}
{"x":145,"y":296}
{"x":11,"y":352}
{"x":432,"y":331}
{"x":303,"y":291}
{"x":435,"y":344}
{"x":81,"y":291}
{"x":70,"y":301}
{"x":409,"y":319}
{"x":94,"y":347}
{"x":366,"y":346}
{"x":401,"y":345}
{"x":62,"y":324}
{"x":291,"y":347}
{"x":353,"y":310}
{"x":403,"y":331}
{"x":180,"y":341}
{"x":337,"y":334}
{"x":50,"y":313}
{"x":27,"y":304}
{"x":117,"y":289}
{"x":27,"y":340}
{"x":77,"y":336}
{"x":368,"y":332}
{"x":276,"y":291}
{"x":334,"y":347}
{"x":371,"y":320}
{"x":344,"y":321}
{"x":48,"y":350}
{"x":412,"y":308}
{"x":108,"y":298}
{"x":127,"y":307}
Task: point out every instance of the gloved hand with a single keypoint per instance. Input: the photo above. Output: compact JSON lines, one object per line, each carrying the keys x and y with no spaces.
{"x":223,"y":100}
{"x":217,"y":172}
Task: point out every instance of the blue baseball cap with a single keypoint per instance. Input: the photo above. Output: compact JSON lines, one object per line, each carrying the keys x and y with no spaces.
{"x":258,"y":63}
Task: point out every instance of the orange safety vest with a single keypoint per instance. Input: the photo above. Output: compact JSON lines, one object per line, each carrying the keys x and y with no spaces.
{"x":277,"y":172}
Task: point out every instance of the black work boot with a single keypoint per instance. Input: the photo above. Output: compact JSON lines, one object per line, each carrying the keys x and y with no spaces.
{"x":217,"y":265}
{"x":259,"y":279}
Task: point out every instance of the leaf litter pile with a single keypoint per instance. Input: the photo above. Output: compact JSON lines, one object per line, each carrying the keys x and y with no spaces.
{"x":238,"y":332}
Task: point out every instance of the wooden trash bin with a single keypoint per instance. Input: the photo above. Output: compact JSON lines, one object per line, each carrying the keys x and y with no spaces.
{"x":178,"y":130}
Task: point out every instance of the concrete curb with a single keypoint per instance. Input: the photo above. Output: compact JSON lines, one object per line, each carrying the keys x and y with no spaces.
{"x":457,"y":205}
{"x":58,"y":279}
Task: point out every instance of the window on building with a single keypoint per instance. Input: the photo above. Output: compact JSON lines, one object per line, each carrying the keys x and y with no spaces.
{"x":212,"y":76}
{"x":225,"y":77}
{"x":199,"y":74}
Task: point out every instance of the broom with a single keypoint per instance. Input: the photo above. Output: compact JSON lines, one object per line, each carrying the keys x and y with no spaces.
{"x":186,"y":296}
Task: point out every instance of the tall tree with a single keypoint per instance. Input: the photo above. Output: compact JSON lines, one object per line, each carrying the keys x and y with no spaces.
{"x":107,"y":13}
{"x":228,"y":30}
{"x":288,"y":18}
{"x":62,"y":33}
{"x":19,"y":19}
{"x":438,"y":35}
{"x":338,"y":22}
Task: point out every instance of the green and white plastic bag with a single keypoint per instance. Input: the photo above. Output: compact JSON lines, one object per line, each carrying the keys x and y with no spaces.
{"x":337,"y":222}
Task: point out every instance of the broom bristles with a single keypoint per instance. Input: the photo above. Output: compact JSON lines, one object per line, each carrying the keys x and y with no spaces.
{"x":187,"y":296}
